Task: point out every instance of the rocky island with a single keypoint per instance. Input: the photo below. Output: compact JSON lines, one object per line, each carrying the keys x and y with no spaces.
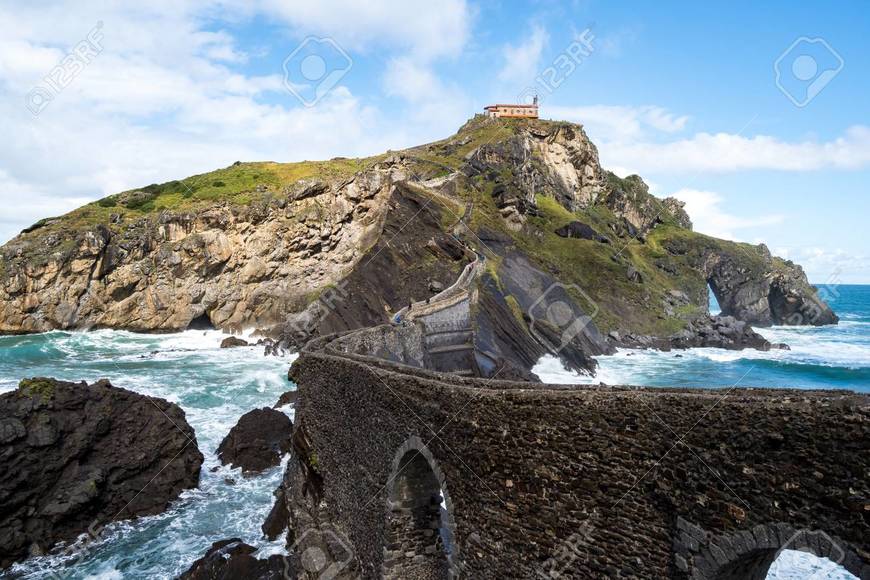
{"x":420,"y":287}
{"x":299,"y":250}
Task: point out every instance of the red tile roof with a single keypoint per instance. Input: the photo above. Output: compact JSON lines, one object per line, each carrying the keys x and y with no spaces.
{"x":503,"y":105}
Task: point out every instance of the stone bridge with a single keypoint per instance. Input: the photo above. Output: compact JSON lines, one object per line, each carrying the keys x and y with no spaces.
{"x":407,"y":473}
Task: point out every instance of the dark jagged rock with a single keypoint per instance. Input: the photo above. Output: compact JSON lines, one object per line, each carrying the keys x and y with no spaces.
{"x":528,"y":314}
{"x":234,"y":560}
{"x":257,"y":441}
{"x":232,"y":342}
{"x":287,"y":398}
{"x":582,"y":231}
{"x":271,"y":347}
{"x":720,"y":332}
{"x":278,"y":519}
{"x":764,"y":291}
{"x":708,"y":332}
{"x":75,"y":458}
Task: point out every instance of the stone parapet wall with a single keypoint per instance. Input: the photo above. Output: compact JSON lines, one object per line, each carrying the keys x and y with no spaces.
{"x":591,"y":482}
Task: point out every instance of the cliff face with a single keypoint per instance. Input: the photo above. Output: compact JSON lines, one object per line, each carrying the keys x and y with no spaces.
{"x":230,"y":266}
{"x":307,"y":248}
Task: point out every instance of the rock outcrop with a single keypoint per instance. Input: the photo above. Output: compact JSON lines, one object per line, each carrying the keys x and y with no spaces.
{"x":233,"y":559}
{"x":762,"y":290}
{"x":77,"y":457}
{"x":581,"y":231}
{"x":630,"y":199}
{"x":555,"y":159}
{"x":233,"y":266}
{"x":704,"y":332}
{"x":257,"y":441}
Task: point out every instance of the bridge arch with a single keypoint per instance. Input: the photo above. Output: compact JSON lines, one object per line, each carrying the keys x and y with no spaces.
{"x":420,"y":528}
{"x":749,"y":554}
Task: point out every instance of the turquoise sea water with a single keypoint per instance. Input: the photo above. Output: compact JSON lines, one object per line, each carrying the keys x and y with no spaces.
{"x":827,"y":357}
{"x":216,"y":386}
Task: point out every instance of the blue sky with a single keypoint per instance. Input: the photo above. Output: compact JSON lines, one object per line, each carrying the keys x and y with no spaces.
{"x":684,"y":94}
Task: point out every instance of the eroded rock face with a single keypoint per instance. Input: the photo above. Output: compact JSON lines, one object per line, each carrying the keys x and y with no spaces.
{"x":257,"y":441}
{"x":555,"y":159}
{"x":233,"y":559}
{"x":235,"y":266}
{"x":630,"y":199}
{"x":765,"y":291}
{"x":75,"y":458}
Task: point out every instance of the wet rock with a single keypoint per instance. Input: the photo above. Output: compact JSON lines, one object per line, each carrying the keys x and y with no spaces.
{"x":233,"y":559}
{"x":257,"y":441}
{"x":288,"y":398}
{"x":720,"y":332}
{"x":232,"y":342}
{"x":278,"y":519}
{"x":76,"y":457}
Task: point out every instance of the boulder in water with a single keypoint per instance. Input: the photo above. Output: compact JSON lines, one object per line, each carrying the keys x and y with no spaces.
{"x":233,"y":560}
{"x":257,"y":441}
{"x":232,"y":342}
{"x":77,"y":457}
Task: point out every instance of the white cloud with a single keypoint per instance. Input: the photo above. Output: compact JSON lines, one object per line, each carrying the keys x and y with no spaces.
{"x":639,"y":140}
{"x":411,"y":80}
{"x":163,"y":99}
{"x":724,"y":152}
{"x":709,"y":217}
{"x":522,"y":61}
{"x":828,"y":268}
{"x":426,"y":29}
{"x":609,"y":123}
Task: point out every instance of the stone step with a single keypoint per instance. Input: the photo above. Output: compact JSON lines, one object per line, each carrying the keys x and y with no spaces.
{"x":451,"y":348}
{"x":447,"y":331}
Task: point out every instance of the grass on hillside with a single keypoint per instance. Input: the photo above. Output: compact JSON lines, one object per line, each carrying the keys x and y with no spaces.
{"x":238,"y":184}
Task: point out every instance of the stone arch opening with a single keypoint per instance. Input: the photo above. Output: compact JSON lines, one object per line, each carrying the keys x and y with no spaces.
{"x":752,"y":555}
{"x":419,"y":541}
{"x":714,"y":297}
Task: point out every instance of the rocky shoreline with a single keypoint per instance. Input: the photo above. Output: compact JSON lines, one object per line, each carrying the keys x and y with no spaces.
{"x":496,"y":272}
{"x":76,"y":457}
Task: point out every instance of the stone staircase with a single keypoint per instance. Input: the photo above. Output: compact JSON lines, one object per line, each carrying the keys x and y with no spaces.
{"x":450,"y":349}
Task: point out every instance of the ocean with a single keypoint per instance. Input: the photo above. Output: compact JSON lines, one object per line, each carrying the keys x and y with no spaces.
{"x":826,"y":357}
{"x":216,"y":386}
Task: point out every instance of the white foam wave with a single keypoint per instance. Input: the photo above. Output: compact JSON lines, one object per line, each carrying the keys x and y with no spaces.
{"x":794,"y":565}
